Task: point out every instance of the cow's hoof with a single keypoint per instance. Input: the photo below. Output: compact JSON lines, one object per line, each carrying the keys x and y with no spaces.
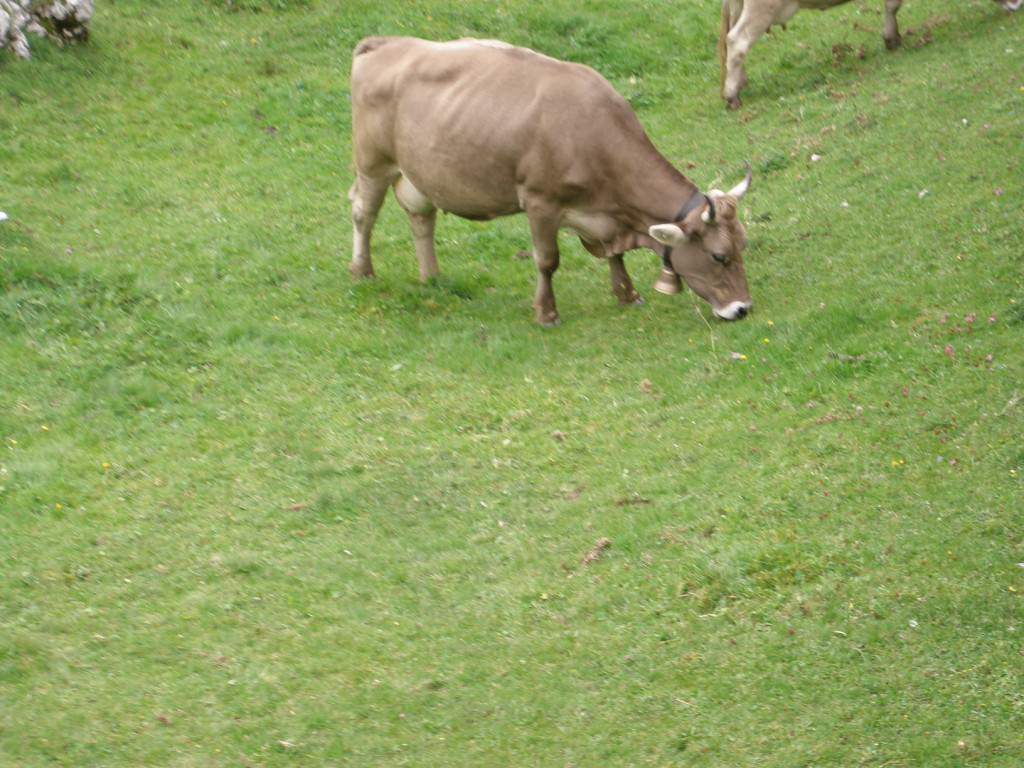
{"x":550,"y":320}
{"x":892,"y":43}
{"x":360,"y":271}
{"x":633,"y":300}
{"x":733,"y":103}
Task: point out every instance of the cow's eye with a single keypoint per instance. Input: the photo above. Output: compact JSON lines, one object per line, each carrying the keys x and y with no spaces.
{"x":721,"y":258}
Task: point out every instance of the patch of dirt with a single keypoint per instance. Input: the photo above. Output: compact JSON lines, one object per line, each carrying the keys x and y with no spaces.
{"x":595,"y":553}
{"x":630,"y":501}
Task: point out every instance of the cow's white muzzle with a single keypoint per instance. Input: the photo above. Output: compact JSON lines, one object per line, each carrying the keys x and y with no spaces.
{"x":734,"y":310}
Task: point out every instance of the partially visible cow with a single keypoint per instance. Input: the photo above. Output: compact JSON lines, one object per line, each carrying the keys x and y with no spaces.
{"x":482,"y":129}
{"x":744,"y":21}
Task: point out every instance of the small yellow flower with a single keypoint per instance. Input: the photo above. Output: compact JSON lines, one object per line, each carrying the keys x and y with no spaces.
{"x":897,"y":462}
{"x":106,"y":465}
{"x":765,"y":340}
{"x":1012,"y":589}
{"x":45,"y":428}
{"x":58,"y":506}
{"x":771,"y":323}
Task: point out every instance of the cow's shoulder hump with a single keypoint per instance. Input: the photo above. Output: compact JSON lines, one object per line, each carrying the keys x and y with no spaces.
{"x":370,"y":44}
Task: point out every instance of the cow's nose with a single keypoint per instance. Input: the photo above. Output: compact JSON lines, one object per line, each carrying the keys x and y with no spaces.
{"x":733,"y":311}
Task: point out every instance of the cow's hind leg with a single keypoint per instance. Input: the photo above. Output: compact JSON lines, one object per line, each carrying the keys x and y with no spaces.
{"x":422,"y":216}
{"x":544,"y":220}
{"x":622,"y":285}
{"x":366,"y":196}
{"x":891,"y":35}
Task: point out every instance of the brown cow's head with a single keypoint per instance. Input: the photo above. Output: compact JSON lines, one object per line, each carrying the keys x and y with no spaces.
{"x":707,"y":251}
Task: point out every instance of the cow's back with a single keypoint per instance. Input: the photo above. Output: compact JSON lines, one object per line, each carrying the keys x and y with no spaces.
{"x":482,"y":117}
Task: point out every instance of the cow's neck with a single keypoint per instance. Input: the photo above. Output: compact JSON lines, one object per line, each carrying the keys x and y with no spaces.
{"x":653,"y":193}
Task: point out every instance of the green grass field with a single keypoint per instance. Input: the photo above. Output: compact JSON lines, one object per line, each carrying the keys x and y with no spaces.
{"x":254,"y":514}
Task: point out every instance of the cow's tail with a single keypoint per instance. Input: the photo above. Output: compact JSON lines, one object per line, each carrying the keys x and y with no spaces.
{"x":729,"y":18}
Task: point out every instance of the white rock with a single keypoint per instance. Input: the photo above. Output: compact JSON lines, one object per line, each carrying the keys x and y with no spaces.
{"x":63,"y":20}
{"x":14,"y":17}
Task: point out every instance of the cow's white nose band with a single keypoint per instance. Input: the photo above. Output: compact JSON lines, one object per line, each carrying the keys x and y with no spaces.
{"x":734,"y":310}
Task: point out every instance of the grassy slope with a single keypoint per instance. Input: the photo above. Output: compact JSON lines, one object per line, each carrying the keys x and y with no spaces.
{"x":253,"y":514}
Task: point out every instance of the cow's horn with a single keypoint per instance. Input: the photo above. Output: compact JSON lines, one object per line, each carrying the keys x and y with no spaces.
{"x":741,"y":189}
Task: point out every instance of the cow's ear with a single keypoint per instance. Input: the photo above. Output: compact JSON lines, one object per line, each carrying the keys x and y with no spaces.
{"x":667,"y":234}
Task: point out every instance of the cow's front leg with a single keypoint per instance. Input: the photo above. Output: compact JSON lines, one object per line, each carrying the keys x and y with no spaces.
{"x":367,"y":196}
{"x":422,"y":217}
{"x":622,"y":285}
{"x":544,"y":219}
{"x":892,"y":32}
{"x":737,"y":47}
{"x":754,"y":21}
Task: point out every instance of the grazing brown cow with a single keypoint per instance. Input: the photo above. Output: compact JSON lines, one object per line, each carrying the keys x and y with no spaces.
{"x":482,"y":129}
{"x":744,"y":21}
